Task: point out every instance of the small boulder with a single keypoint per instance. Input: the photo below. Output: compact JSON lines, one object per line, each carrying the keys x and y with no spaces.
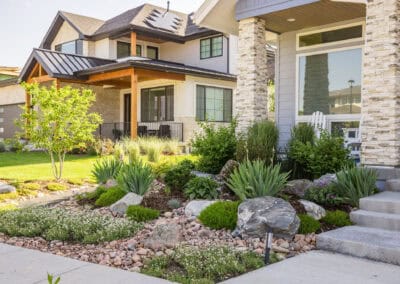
{"x":122,"y":205}
{"x":164,"y":236}
{"x":313,"y":209}
{"x":256,"y":216}
{"x":297,"y":187}
{"x":227,"y":170}
{"x":110,"y":183}
{"x":6,"y":188}
{"x":194,"y":208}
{"x":324,"y":180}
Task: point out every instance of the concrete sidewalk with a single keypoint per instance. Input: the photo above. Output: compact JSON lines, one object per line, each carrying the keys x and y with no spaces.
{"x":20,"y":266}
{"x":320,"y":267}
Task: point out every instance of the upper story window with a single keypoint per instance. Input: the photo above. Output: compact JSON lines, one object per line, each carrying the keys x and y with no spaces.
{"x":213,"y":104}
{"x":72,"y":47}
{"x":330,"y":36}
{"x":124,"y":49}
{"x":152,"y":52}
{"x":211,"y":47}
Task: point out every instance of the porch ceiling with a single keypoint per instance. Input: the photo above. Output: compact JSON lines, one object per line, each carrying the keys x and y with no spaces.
{"x":311,"y":15}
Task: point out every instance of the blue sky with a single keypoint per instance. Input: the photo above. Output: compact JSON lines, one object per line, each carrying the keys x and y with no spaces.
{"x":23,"y":23}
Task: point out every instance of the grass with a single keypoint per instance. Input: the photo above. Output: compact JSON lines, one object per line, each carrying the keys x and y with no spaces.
{"x":37,"y":166}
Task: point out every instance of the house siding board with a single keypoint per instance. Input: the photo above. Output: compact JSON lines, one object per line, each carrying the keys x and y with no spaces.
{"x":252,"y":8}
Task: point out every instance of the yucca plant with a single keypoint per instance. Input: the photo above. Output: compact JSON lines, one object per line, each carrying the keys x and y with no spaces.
{"x":253,"y":179}
{"x":106,"y":169}
{"x":355,"y":183}
{"x":136,"y":177}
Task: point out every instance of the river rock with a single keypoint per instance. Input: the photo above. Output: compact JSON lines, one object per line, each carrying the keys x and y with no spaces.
{"x":194,"y":207}
{"x":313,"y":209}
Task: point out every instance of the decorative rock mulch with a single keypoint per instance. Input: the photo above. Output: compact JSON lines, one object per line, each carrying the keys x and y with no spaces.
{"x":131,"y":254}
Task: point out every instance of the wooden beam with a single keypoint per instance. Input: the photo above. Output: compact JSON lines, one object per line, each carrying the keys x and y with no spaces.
{"x":41,"y":79}
{"x":34,"y":71}
{"x":133,"y":44}
{"x":146,"y":75}
{"x":134,"y":121}
{"x":109,"y":75}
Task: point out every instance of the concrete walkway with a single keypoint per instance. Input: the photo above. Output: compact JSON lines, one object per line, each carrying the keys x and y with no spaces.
{"x":20,"y":266}
{"x":320,"y":267}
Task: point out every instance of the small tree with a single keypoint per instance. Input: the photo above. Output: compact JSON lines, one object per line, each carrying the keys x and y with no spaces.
{"x":59,"y":121}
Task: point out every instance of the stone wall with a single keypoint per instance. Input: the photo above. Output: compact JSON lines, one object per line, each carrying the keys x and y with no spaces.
{"x":381,"y":85}
{"x":252,"y":88}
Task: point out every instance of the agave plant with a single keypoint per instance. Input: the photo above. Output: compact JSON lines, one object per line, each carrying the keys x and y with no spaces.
{"x":253,"y":179}
{"x":355,"y":183}
{"x":106,"y":169}
{"x":136,"y":177}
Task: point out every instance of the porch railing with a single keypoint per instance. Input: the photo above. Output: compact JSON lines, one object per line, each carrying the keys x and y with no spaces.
{"x":118,"y":130}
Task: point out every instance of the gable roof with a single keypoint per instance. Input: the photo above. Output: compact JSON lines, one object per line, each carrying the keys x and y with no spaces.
{"x":84,"y":25}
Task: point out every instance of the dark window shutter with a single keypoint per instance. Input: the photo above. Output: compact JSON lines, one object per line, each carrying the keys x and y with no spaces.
{"x":227,"y":105}
{"x":200,"y":103}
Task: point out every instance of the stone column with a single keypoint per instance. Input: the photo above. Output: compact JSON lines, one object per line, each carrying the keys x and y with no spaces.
{"x":252,"y":91}
{"x":380,"y":126}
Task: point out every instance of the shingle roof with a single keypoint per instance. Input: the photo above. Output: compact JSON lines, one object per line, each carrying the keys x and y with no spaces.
{"x":86,"y":25}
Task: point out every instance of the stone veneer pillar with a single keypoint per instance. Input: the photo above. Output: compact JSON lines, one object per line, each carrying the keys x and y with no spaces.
{"x":380,"y":126}
{"x":252,"y":90}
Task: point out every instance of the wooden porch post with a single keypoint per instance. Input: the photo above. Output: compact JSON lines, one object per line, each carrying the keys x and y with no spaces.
{"x":133,"y":105}
{"x":133,"y":44}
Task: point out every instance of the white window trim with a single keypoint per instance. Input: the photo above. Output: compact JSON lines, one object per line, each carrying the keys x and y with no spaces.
{"x":361,"y":23}
{"x":329,"y":117}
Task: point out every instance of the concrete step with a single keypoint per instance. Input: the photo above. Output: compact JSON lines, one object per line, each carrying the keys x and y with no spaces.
{"x":392,"y":185}
{"x":376,"y":220}
{"x":371,"y":243}
{"x":385,"y":202}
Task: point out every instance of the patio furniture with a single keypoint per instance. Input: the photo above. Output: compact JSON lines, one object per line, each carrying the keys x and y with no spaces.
{"x":164,"y":131}
{"x":142,"y":130}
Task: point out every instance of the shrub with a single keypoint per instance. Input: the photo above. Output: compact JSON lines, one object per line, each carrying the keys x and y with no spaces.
{"x":337,"y":218}
{"x":141,"y":214}
{"x":180,"y":174}
{"x":119,"y":152}
{"x":133,"y":152}
{"x":161,"y":168}
{"x":56,"y":186}
{"x":327,"y":195}
{"x":153,"y":153}
{"x":91,"y":197}
{"x":355,"y":183}
{"x":110,"y":196}
{"x":30,"y":186}
{"x":75,"y":181}
{"x":13,"y":144}
{"x":262,"y":141}
{"x":201,"y":188}
{"x":26,"y":192}
{"x":220,"y":215}
{"x":308,"y":224}
{"x":2,"y":147}
{"x":7,"y":207}
{"x":63,"y":225}
{"x":327,"y":155}
{"x":203,"y":265}
{"x":254,"y":179}
{"x":106,"y":169}
{"x":136,"y":178}
{"x":103,"y":147}
{"x":171,"y":147}
{"x":215,"y":145}
{"x":174,"y":203}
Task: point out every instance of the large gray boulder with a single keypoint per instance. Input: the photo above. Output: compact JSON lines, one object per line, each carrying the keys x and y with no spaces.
{"x":313,"y":209}
{"x":6,"y":188}
{"x":194,"y":207}
{"x":256,"y":216}
{"x":122,"y":205}
{"x":164,"y":236}
{"x":297,"y":187}
{"x":324,"y":180}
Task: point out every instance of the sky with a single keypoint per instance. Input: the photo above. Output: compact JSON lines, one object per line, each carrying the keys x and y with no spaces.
{"x":23,"y":23}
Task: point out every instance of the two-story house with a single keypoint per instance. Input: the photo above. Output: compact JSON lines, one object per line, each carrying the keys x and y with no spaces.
{"x":153,"y":70}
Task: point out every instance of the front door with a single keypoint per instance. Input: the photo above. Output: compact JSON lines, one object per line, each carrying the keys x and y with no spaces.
{"x":127,"y":114}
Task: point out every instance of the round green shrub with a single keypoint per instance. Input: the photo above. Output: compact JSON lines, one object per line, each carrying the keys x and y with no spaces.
{"x":201,"y":188}
{"x":56,"y":187}
{"x":30,"y":186}
{"x":111,"y":196}
{"x":220,"y":215}
{"x":177,"y":177}
{"x":141,"y":214}
{"x":337,"y":218}
{"x":308,"y":224}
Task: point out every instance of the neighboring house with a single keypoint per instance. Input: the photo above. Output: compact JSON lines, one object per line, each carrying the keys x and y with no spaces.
{"x":153,"y":70}
{"x":337,"y":57}
{"x":12,"y":97}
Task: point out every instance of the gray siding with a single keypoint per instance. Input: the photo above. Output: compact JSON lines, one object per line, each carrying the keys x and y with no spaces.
{"x":9,"y":113}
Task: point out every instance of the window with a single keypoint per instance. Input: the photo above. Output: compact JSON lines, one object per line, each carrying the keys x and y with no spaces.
{"x":354,"y":32}
{"x":72,"y":47}
{"x":157,"y":104}
{"x":124,"y":49}
{"x":330,"y":82}
{"x":1,"y":110}
{"x":152,"y":52}
{"x":211,"y":47}
{"x":213,"y":104}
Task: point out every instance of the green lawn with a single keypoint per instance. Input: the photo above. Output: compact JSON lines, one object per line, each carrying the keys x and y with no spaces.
{"x":37,"y":166}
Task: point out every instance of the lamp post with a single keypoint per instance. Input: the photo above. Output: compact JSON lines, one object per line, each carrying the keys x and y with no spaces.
{"x":268,"y":245}
{"x":351,"y":83}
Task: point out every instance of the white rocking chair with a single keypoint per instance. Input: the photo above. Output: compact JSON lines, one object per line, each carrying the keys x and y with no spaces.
{"x":318,"y":121}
